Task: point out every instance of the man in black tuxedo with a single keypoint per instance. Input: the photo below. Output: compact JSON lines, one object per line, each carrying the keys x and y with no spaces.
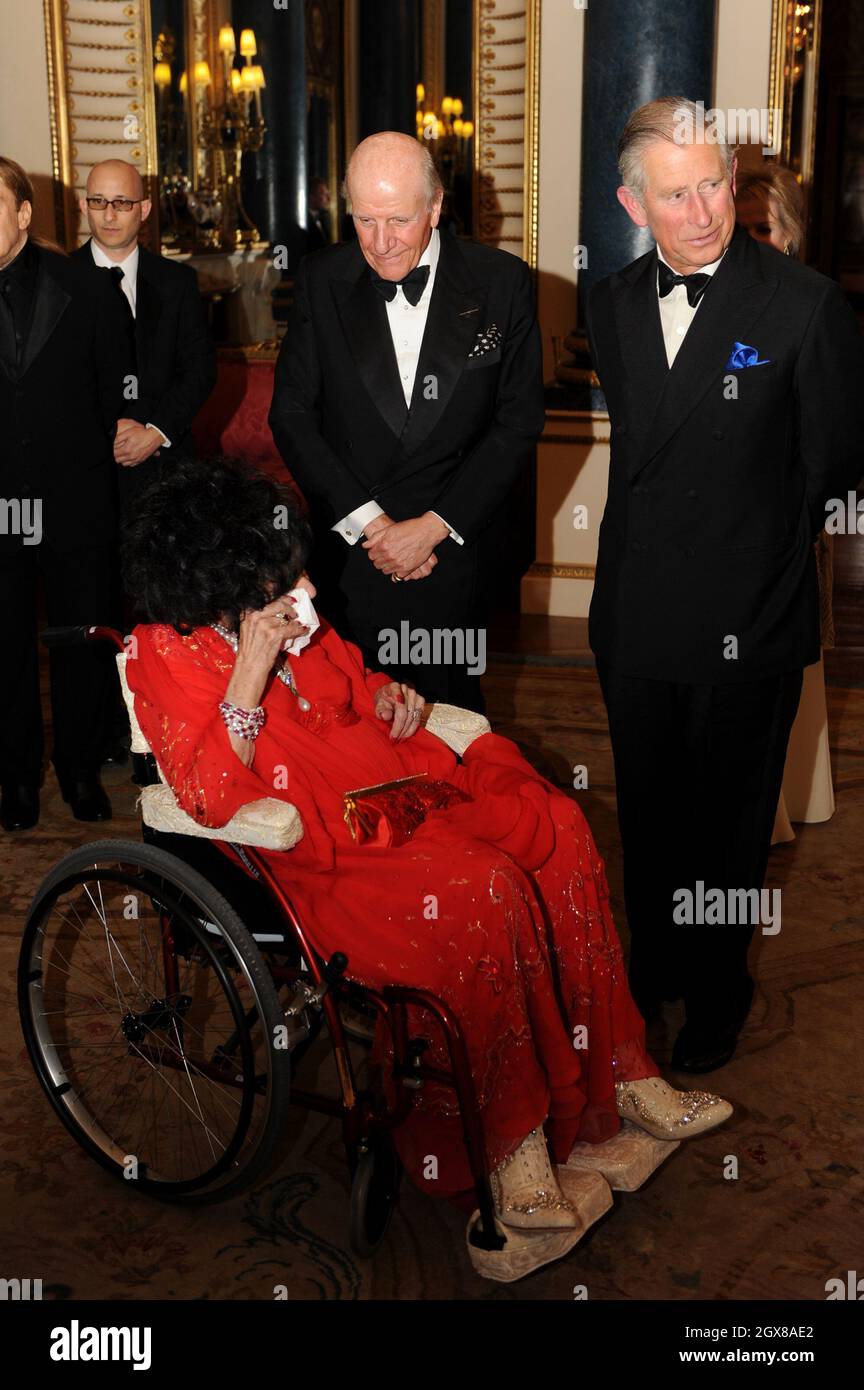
{"x":64,"y":364}
{"x":318,"y":220}
{"x":174,"y":353}
{"x":733,"y":377}
{"x":408,"y":398}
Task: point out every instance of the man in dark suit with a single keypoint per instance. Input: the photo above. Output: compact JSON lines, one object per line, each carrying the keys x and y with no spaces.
{"x":733,"y":381}
{"x":318,"y":220}
{"x":408,"y":399}
{"x":174,"y":353}
{"x":175,"y":361}
{"x":64,"y":364}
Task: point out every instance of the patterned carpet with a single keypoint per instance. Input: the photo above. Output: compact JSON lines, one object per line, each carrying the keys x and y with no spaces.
{"x":793,"y":1217}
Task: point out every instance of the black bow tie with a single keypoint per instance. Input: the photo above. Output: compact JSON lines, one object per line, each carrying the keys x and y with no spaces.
{"x":412,"y":286}
{"x":695,"y":285}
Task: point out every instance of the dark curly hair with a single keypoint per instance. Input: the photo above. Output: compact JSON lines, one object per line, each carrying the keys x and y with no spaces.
{"x":211,"y":538}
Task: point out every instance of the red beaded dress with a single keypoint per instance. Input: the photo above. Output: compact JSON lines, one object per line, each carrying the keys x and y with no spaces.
{"x":499,"y":905}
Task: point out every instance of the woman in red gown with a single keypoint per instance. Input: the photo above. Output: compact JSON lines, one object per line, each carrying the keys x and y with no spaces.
{"x":498,"y":905}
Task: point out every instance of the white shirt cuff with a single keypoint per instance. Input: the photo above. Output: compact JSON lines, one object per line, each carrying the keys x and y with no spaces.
{"x":351,"y":527}
{"x":454,"y":535}
{"x":165,"y":440}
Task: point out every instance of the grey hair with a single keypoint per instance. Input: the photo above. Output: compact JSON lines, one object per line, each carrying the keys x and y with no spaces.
{"x":668,"y":118}
{"x":431,"y":178}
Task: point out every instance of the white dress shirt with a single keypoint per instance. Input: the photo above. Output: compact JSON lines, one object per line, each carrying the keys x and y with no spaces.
{"x":676,"y":314}
{"x":129,"y":283}
{"x":407,"y":324}
{"x":129,"y":286}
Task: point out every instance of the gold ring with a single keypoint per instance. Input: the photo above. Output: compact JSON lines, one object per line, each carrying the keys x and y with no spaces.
{"x":397,"y":578}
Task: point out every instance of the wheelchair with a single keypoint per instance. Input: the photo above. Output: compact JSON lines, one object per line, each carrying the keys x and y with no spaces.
{"x":169,"y":994}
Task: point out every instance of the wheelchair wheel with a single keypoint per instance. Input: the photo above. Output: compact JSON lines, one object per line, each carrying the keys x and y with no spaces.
{"x":150,"y":1017}
{"x":373,"y":1196}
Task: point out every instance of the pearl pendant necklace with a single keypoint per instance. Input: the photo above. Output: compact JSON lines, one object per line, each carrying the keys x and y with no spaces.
{"x":283,"y":673}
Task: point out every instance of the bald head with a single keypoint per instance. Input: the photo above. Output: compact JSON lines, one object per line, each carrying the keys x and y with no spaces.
{"x":115,"y":230}
{"x":395,"y":195}
{"x":390,"y":160}
{"x":117,"y":174}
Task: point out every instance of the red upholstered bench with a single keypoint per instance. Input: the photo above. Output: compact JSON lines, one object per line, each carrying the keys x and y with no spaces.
{"x":234,"y":419}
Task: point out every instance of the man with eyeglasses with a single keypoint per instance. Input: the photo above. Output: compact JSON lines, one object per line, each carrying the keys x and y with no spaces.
{"x":175,"y":358}
{"x":175,"y":361}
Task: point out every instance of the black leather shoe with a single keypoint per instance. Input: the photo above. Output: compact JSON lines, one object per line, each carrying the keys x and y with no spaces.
{"x":698,"y":1055}
{"x":87,"y":798}
{"x":19,"y":807}
{"x":698,"y":1051}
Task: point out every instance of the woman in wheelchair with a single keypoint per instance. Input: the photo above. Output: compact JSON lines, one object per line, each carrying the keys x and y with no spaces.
{"x":479,"y":881}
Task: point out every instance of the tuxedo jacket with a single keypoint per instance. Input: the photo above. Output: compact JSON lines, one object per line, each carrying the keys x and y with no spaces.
{"x":341,"y":424}
{"x":60,"y":406}
{"x":174,"y":352}
{"x":720,"y":472}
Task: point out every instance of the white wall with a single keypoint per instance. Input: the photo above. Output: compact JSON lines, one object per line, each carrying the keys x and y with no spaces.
{"x":742,"y":53}
{"x":25,"y":130}
{"x":562,"y":32}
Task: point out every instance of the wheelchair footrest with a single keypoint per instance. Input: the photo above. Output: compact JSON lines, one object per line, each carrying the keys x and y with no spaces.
{"x":526,"y":1251}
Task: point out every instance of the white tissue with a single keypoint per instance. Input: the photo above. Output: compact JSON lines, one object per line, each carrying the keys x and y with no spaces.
{"x":304,"y":613}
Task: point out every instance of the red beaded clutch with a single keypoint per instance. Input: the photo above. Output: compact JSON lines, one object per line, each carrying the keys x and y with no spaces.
{"x":389,"y":813}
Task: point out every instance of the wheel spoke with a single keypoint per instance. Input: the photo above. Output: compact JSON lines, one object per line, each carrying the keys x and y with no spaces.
{"x":137,"y":1042}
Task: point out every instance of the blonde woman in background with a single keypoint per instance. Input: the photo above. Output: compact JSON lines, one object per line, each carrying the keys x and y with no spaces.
{"x":769,"y":204}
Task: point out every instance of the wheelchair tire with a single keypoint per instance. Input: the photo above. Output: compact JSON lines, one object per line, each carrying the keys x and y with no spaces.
{"x":177,"y":1078}
{"x":374,"y":1192}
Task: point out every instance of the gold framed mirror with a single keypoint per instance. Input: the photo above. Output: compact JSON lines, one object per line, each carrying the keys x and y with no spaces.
{"x":117,"y":89}
{"x":793,"y":86}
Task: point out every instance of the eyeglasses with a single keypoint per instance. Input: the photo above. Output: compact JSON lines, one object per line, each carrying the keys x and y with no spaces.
{"x":98,"y":203}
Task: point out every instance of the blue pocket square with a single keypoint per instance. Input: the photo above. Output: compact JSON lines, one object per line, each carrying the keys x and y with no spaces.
{"x":744,"y":356}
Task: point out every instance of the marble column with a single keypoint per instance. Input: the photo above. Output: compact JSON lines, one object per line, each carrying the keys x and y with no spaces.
{"x":274,"y":180}
{"x":389,"y":66}
{"x":633,"y":53}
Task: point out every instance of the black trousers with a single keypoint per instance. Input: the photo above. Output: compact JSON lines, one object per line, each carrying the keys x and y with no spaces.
{"x":698,"y":771}
{"x":79,"y":588}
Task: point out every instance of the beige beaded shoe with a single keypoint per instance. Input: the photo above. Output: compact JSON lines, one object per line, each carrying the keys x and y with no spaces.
{"x":658,"y":1108}
{"x":526,"y":1192}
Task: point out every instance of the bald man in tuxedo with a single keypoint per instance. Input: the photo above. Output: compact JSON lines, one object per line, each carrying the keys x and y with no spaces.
{"x":407,"y":402}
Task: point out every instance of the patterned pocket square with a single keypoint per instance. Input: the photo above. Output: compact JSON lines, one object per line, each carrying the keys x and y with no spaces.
{"x":487,"y":340}
{"x":744,"y":356}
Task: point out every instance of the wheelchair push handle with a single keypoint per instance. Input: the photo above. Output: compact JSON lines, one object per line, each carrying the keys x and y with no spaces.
{"x":335,"y":968}
{"x":78,"y":635}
